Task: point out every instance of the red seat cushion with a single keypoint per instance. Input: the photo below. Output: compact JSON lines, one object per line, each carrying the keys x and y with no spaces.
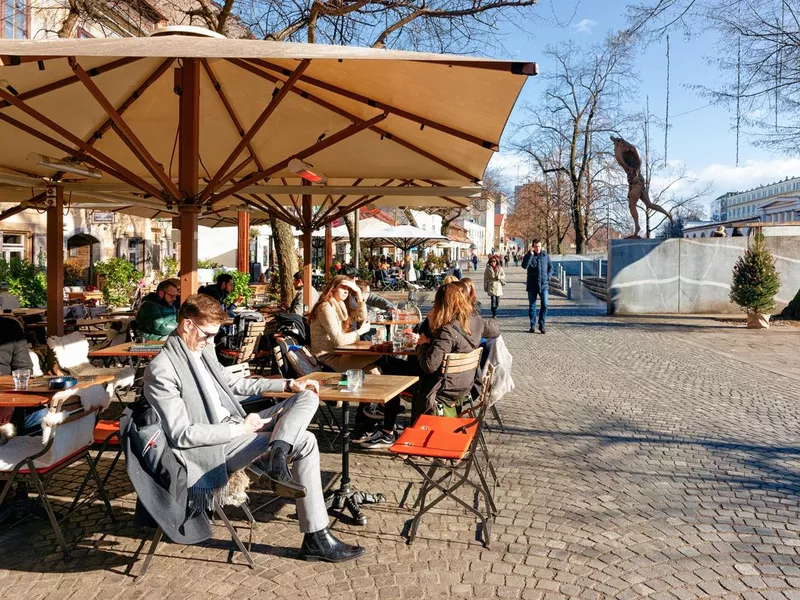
{"x":436,"y":437}
{"x":227,"y":352}
{"x":44,"y":470}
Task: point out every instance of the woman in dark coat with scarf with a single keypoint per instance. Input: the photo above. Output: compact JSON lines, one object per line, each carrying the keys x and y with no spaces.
{"x":453,"y":326}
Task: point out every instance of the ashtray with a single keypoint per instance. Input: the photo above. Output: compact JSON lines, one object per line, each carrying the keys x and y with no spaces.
{"x":62,"y":383}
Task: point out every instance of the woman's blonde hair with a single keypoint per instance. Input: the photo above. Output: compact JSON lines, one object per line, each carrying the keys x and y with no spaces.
{"x":326,"y":295}
{"x":450,"y":279}
{"x":451,"y":304}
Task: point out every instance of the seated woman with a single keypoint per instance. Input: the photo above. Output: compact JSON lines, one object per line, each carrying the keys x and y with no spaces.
{"x":455,"y":327}
{"x":332,"y":325}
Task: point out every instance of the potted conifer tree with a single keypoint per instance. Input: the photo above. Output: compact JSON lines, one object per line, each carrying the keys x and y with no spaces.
{"x":755,"y":283}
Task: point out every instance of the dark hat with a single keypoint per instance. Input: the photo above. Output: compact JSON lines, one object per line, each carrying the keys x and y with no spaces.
{"x":298,"y":275}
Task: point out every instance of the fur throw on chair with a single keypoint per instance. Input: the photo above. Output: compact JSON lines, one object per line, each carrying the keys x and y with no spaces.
{"x":70,"y":350}
{"x":7,"y":431}
{"x":235,"y":492}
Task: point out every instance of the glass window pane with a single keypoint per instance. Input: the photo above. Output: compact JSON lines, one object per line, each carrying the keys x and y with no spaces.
{"x":9,"y":28}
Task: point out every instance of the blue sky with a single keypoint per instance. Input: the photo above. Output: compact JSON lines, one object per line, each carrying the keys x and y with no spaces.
{"x":701,"y":137}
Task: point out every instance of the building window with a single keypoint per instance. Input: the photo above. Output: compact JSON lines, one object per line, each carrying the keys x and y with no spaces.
{"x":15,"y":19}
{"x":13,"y":246}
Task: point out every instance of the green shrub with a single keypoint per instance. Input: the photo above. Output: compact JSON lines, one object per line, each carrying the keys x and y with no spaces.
{"x":207,"y":264}
{"x":169,"y":268}
{"x":121,"y":278}
{"x":25,"y":280}
{"x":241,"y":287}
{"x":755,"y":280}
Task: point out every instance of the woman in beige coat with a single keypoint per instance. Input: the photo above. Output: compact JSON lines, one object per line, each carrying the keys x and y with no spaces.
{"x":332,"y":325}
{"x":494,"y":278}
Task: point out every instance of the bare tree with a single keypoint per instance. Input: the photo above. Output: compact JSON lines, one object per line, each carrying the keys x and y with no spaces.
{"x":758,"y":52}
{"x":579,"y":112}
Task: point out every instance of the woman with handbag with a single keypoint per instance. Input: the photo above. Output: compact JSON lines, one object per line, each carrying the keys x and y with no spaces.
{"x":494,"y":278}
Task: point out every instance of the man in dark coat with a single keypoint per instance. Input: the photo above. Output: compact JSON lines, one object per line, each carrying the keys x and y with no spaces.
{"x":540,"y":269}
{"x":157,"y":316}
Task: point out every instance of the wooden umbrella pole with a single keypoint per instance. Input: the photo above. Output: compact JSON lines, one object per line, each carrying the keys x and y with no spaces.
{"x":307,"y":281}
{"x":55,"y":265}
{"x":188,"y":172}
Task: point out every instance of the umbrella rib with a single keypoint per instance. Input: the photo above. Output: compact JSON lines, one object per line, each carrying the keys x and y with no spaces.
{"x":231,"y":113}
{"x":133,"y":180}
{"x":343,"y":196}
{"x":106,"y":161}
{"x":339,"y":201}
{"x":384,"y":106}
{"x":288,"y":217}
{"x":50,"y":87}
{"x":277,"y":97}
{"x":343,"y":134}
{"x":123,"y":107}
{"x":293,"y":198}
{"x":341,"y":112}
{"x":126,"y":134}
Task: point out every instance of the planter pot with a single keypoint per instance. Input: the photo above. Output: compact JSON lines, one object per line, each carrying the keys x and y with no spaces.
{"x":757,"y":321}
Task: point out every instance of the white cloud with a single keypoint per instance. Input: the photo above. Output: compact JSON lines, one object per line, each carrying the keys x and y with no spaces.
{"x":514,"y":167}
{"x":584,"y":26}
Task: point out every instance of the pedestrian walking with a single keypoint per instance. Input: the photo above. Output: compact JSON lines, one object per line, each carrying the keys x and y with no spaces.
{"x":494,"y":278}
{"x":540,"y":269}
{"x":475,"y":262}
{"x":516,"y":259}
{"x":506,"y":259}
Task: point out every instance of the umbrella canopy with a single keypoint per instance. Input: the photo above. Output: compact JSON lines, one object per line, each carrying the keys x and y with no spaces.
{"x":208,"y":126}
{"x":384,"y":127}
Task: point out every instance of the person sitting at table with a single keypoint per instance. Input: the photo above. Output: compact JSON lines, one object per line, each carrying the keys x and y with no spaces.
{"x":220,"y":292}
{"x":157,"y":316}
{"x":333,"y":325}
{"x":14,"y":354}
{"x":453,"y":326}
{"x":212,"y":436}
{"x":177,"y":283}
{"x":296,"y":306}
{"x":373,"y":300}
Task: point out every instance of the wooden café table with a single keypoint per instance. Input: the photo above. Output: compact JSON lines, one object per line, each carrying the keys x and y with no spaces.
{"x":38,"y":393}
{"x":146,"y":350}
{"x":376,"y":388}
{"x":363,"y":349}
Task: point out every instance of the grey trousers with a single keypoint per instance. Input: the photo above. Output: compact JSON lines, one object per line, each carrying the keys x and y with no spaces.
{"x":290,"y":424}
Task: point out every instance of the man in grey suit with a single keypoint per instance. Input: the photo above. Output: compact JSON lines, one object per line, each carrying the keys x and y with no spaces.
{"x":212,"y":436}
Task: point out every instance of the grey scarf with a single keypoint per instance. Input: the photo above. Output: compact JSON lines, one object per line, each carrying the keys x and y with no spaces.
{"x":207,"y":474}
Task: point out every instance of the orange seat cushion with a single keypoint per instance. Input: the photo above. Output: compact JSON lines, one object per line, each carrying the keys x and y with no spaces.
{"x":103,"y":429}
{"x":436,"y":437}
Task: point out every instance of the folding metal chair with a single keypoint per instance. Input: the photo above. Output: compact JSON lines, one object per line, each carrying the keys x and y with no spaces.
{"x":159,"y":534}
{"x":448,"y":444}
{"x":65,"y":440}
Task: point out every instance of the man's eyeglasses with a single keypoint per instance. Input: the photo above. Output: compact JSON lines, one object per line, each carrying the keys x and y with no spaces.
{"x":205,"y":334}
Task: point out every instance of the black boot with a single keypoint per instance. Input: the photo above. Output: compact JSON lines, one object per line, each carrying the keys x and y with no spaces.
{"x":323,"y":545}
{"x":271,"y":468}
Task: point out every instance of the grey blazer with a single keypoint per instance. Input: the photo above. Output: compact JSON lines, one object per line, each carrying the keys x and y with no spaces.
{"x":162,"y":389}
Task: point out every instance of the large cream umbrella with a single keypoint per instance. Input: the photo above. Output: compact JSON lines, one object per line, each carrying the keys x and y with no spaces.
{"x":204,"y":127}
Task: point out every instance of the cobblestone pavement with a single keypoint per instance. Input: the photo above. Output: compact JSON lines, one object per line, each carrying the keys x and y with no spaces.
{"x":643,"y":458}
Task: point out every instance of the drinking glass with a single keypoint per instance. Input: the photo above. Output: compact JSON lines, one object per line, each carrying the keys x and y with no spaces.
{"x":21,"y":378}
{"x":398,"y":341}
{"x":354,"y":378}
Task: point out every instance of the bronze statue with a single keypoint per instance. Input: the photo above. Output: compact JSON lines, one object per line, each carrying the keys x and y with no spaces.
{"x":628,"y":159}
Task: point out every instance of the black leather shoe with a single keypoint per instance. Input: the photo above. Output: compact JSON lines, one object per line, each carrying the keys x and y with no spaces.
{"x":323,"y":545}
{"x":541,"y":329}
{"x":531,"y":330}
{"x":271,"y":468}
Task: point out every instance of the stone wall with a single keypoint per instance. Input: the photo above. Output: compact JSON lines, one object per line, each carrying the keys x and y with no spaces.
{"x":689,"y":276}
